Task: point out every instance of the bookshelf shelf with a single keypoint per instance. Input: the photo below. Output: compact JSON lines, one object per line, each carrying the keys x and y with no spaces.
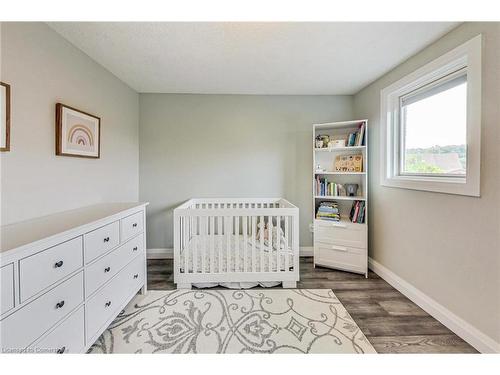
{"x":343,"y":223}
{"x":341,"y":244}
{"x":339,"y":198}
{"x":340,"y":173}
{"x":338,"y":149}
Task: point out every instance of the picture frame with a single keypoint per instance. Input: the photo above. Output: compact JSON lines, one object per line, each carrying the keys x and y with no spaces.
{"x":78,"y":133}
{"x":4,"y":116}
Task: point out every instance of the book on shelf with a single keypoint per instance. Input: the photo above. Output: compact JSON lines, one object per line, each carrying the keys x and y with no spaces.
{"x":325,"y":188}
{"x":358,"y":211}
{"x":358,"y":137}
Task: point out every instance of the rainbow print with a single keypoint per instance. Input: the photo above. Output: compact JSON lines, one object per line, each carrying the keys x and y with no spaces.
{"x":80,"y":135}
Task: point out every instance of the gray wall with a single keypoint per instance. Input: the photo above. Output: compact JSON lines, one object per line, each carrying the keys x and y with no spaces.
{"x":42,"y":69}
{"x":448,"y":246}
{"x":228,"y":146}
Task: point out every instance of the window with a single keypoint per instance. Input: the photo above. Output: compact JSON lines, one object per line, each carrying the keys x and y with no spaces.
{"x":431,"y":125}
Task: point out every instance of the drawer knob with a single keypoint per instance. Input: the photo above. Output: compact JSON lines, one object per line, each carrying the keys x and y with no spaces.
{"x":136,"y":276}
{"x":58,"y":264}
{"x":61,"y":350}
{"x":134,"y":249}
{"x":106,"y":239}
{"x":59,"y":304}
{"x":107,"y":269}
{"x":134,"y":225}
{"x":107,"y":304}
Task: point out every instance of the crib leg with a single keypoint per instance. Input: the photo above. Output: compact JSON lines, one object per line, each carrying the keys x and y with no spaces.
{"x":289,"y":284}
{"x":184,"y":286}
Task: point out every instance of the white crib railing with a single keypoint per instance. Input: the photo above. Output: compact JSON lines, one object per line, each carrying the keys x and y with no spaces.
{"x":225,"y":240}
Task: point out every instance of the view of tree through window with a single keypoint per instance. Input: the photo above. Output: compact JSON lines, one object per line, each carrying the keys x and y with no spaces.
{"x":435,"y":130}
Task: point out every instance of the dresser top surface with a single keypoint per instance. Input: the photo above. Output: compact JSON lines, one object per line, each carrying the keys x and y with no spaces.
{"x":26,"y":232}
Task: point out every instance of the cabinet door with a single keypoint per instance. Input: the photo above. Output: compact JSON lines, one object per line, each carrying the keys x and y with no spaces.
{"x":132,"y":225}
{"x":45,"y":268}
{"x":7,"y":291}
{"x":66,"y":338}
{"x":27,"y":324}
{"x":101,"y":240}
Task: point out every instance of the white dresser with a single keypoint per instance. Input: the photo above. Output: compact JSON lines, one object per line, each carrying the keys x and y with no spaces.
{"x":65,"y":277}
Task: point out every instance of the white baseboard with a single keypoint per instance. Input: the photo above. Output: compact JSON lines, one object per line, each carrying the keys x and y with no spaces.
{"x":168,"y":253}
{"x":466,"y":331}
{"x":160,"y":253}
{"x":306,"y":251}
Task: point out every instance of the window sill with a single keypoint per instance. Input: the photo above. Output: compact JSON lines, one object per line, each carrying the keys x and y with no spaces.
{"x":458,"y":185}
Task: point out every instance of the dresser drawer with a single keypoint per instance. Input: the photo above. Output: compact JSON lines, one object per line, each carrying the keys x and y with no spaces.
{"x":343,"y":233}
{"x":108,"y":302}
{"x":43,"y":269}
{"x":105,"y":268}
{"x":101,"y":240}
{"x":67,"y":337}
{"x":28,"y":323}
{"x":132,"y":225}
{"x":339,"y":256}
{"x":7,"y":288}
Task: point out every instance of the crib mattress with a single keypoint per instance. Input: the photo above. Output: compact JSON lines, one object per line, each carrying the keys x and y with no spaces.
{"x":220,"y":243}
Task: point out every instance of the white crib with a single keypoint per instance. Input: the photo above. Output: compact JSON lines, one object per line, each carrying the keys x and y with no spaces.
{"x":217,"y":240}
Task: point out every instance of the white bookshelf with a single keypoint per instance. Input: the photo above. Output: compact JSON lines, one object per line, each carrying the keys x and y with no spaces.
{"x":344,"y":244}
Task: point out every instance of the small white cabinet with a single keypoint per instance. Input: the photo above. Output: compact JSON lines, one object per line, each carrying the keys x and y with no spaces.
{"x":61,"y":288}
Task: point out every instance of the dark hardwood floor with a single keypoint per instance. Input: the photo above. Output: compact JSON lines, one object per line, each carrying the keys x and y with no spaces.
{"x":390,"y":321}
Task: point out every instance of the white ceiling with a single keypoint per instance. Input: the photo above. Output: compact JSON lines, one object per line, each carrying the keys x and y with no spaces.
{"x":250,"y":58}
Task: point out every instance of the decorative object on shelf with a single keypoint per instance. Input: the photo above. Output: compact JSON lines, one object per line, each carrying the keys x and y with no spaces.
{"x":335,"y":143}
{"x":77,"y":133}
{"x":319,"y":169}
{"x":349,"y":163}
{"x":4,"y":116}
{"x":351,"y":189}
{"x":322,"y":141}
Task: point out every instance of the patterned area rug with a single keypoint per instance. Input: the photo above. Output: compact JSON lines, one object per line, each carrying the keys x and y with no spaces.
{"x":228,"y":321}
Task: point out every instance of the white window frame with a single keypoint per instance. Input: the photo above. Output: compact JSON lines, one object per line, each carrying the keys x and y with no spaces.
{"x":467,"y":57}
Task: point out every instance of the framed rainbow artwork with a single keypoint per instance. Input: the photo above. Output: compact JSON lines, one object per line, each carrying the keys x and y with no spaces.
{"x":77,"y":133}
{"x":4,"y":117}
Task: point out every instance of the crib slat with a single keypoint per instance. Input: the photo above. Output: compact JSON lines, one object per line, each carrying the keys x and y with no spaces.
{"x":195,"y":245}
{"x":286,"y":244}
{"x":253,"y":233}
{"x":184,"y":245}
{"x":245,"y":247}
{"x":219,"y":242}
{"x":212,"y":245}
{"x":270,"y":243}
{"x":261,"y":245}
{"x":228,"y":242}
{"x":278,"y":243}
{"x":237,"y":243}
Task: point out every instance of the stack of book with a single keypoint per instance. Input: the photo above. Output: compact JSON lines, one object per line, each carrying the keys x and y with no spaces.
{"x":357,"y":138}
{"x":328,"y":211}
{"x":325,"y":188}
{"x":358,"y":211}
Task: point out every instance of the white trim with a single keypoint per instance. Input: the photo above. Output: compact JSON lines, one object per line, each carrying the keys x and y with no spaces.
{"x":160,"y":253}
{"x":465,"y":330}
{"x":468,"y":56}
{"x":168,"y":253}
{"x":306,"y":251}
